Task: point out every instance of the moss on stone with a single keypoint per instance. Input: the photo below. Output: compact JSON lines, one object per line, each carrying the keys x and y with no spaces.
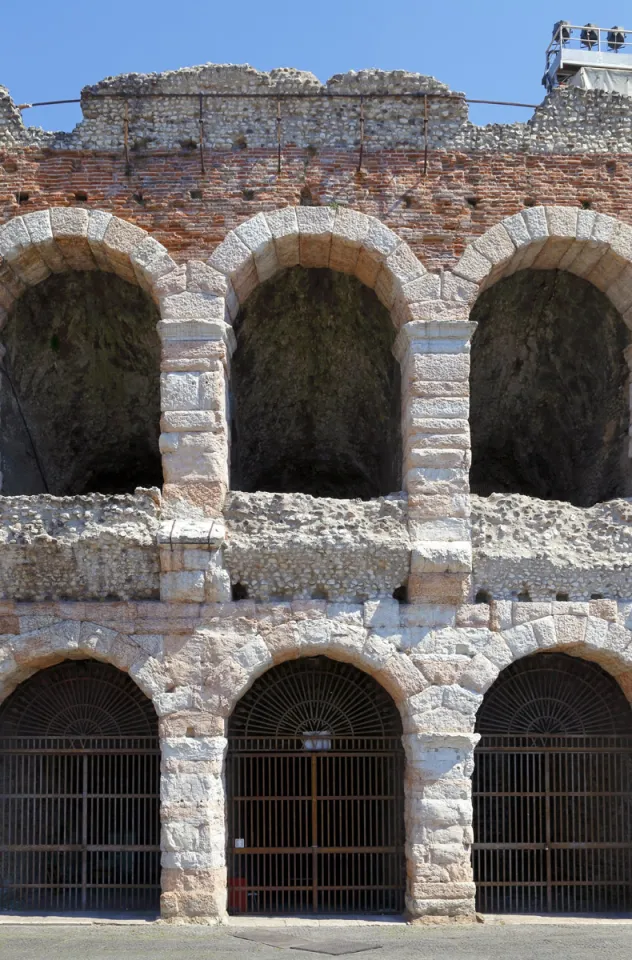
{"x":83,"y":355}
{"x":316,"y":389}
{"x":549,"y":405}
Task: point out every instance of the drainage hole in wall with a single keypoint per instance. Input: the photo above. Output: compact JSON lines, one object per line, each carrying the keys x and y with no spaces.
{"x":239,"y":591}
{"x":401,"y":593}
{"x":562,"y":597}
{"x":22,"y":196}
{"x":307,"y":198}
{"x":81,"y":196}
{"x":483,"y":596}
{"x":524,"y":596}
{"x":473,"y":202}
{"x":195,"y":194}
{"x":248,"y":194}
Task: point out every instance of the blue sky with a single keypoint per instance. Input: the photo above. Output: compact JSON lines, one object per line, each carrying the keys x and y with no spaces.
{"x":489,"y":49}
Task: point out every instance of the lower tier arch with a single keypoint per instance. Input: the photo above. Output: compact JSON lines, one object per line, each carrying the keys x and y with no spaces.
{"x":552,"y":790}
{"x":79,"y":794}
{"x":315,"y":794}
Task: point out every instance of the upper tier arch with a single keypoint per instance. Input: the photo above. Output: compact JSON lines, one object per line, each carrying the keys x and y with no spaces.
{"x":338,"y":238}
{"x":589,"y":244}
{"x":59,"y":239}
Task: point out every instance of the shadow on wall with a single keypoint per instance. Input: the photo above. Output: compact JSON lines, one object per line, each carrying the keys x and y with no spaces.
{"x":549,"y":408}
{"x":80,"y":409}
{"x":316,"y":389}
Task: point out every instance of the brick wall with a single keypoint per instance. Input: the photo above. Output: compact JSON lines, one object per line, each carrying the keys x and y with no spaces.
{"x":460,"y":197}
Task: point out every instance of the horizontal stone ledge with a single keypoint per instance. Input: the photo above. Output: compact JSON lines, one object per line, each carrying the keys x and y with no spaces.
{"x":208,"y":533}
{"x":441,"y":557}
{"x":457,"y":332}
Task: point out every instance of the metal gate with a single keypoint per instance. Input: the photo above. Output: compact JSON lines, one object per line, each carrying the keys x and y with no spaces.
{"x":552,"y":791}
{"x":79,"y":808}
{"x":315,"y":780}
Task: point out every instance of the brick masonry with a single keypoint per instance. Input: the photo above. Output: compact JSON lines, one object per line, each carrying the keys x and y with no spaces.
{"x":427,"y":241}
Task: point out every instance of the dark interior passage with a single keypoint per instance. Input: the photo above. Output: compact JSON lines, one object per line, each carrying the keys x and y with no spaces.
{"x":79,"y":794}
{"x":315,"y":783}
{"x":552,"y":790}
{"x":549,"y":408}
{"x":316,"y":395}
{"x":79,"y":398}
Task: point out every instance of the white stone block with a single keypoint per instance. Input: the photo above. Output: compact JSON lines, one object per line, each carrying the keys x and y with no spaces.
{"x":473,"y":266}
{"x":496,"y":245}
{"x":441,"y":557}
{"x":536,"y":222}
{"x":180,"y":391}
{"x":562,"y":221}
{"x":182,"y":587}
{"x":283,"y":226}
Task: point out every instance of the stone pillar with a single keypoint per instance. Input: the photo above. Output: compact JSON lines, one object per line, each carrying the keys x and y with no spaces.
{"x":435,"y":361}
{"x":191,"y":562}
{"x":195,"y":439}
{"x":193,"y":836}
{"x":439,"y":825}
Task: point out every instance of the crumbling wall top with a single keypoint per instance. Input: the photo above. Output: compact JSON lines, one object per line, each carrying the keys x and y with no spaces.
{"x":238,"y":108}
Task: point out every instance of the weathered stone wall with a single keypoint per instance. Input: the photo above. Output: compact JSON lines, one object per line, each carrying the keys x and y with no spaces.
{"x":79,"y":548}
{"x":316,"y":404}
{"x":549,"y":390}
{"x":163,"y":110}
{"x":81,"y":412}
{"x":297,"y":546}
{"x":522,"y":545}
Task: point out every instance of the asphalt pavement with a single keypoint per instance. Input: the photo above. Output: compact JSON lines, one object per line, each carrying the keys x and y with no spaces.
{"x":394,"y":941}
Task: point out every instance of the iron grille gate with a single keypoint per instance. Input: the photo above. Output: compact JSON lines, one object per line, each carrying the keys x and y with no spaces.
{"x":552,"y":790}
{"x":316,"y":830}
{"x":79,"y":793}
{"x":79,"y":824}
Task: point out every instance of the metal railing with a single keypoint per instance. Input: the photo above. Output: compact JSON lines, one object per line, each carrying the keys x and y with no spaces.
{"x":590,"y":37}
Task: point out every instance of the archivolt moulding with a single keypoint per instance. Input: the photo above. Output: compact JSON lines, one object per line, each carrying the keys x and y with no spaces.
{"x":59,"y":239}
{"x":590,"y":245}
{"x":338,"y":238}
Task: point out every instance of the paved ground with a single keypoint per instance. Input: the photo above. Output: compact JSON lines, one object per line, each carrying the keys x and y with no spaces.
{"x":567,"y":941}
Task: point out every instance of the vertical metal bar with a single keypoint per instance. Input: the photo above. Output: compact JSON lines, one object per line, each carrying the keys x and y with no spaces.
{"x":201,"y":134}
{"x":361,"y":156}
{"x":278,"y":133}
{"x":425,"y":134}
{"x":314,"y":771}
{"x":128,"y":166}
{"x":84,"y":833}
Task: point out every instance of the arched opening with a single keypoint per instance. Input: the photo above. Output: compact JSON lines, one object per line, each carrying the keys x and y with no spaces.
{"x":552,"y":790}
{"x":79,"y":393}
{"x":316,"y":395}
{"x":315,"y":784}
{"x":79,"y":794}
{"x":549,"y":400}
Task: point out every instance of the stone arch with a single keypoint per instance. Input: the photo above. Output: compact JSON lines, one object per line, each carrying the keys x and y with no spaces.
{"x":565,"y":397}
{"x":339,"y":238}
{"x":362,"y":458}
{"x":590,"y":245}
{"x":605,"y":642}
{"x":58,"y":239}
{"x":79,"y":640}
{"x":70,"y":250}
{"x":234,"y":663}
